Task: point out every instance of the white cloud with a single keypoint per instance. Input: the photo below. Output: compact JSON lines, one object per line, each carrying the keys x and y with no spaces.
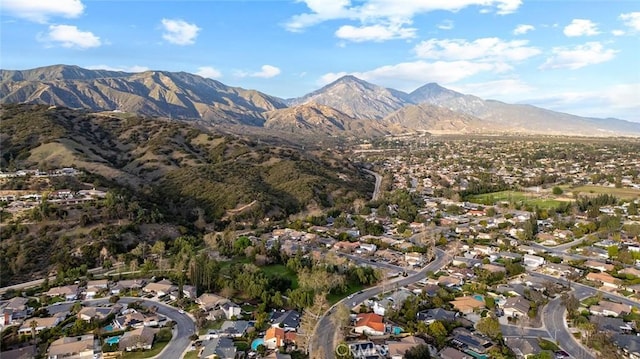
{"x":42,"y":10}
{"x":407,"y":76}
{"x":485,"y":49}
{"x":579,"y":56}
{"x":208,"y":71}
{"x":378,"y":32}
{"x":179,"y":32}
{"x":581,"y":27}
{"x":70,"y":37}
{"x":134,"y":68}
{"x":372,"y":16}
{"x":446,"y":25}
{"x":618,"y":32}
{"x":632,"y":20}
{"x":523,"y":29}
{"x":266,"y":71}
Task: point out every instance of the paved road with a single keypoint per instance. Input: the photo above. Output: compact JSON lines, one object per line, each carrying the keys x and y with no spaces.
{"x":553,"y":317}
{"x":37,"y":282}
{"x":379,"y":264}
{"x":184,"y":324}
{"x":326,"y":329}
{"x":376,"y":190}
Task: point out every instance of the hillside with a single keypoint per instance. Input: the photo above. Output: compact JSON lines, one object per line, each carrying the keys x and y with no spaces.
{"x":158,"y":171}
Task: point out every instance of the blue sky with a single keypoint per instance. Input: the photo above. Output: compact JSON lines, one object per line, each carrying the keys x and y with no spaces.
{"x":576,"y":56}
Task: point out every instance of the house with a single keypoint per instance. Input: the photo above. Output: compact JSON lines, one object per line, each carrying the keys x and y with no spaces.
{"x":76,"y":347}
{"x":467,"y":304}
{"x":346,"y":246}
{"x":96,"y":286}
{"x":629,"y":343}
{"x":414,"y":259}
{"x":18,"y":307}
{"x":208,"y":301}
{"x":449,"y":281}
{"x":451,"y":353}
{"x":231,"y":310}
{"x":610,"y":325}
{"x":276,"y":337}
{"x":394,"y":300}
{"x":431,"y":315}
{"x":366,"y":248}
{"x":235,"y":328}
{"x":558,"y":269}
{"x":128,"y":284}
{"x":600,"y":266}
{"x":160,"y":288}
{"x":68,"y":292}
{"x":141,"y":338}
{"x":595,"y":252}
{"x":397,"y":349}
{"x":483,"y":250}
{"x":221,"y":348}
{"x":494,"y":268}
{"x":516,"y":307}
{"x":131,"y":319}
{"x":630,"y":271}
{"x":189,"y":291}
{"x":607,"y":308}
{"x":533,"y":261}
{"x":369,"y":323}
{"x":88,"y":313}
{"x":288,"y":320}
{"x":523,"y":347}
{"x":20,"y":353}
{"x":40,"y":324}
{"x":463,"y":338}
{"x":604,"y":278}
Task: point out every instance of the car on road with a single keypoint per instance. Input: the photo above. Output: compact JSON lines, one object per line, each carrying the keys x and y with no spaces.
{"x":180,"y":311}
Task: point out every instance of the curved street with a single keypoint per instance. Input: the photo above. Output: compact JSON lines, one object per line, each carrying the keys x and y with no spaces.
{"x":376,"y":190}
{"x":326,"y":329}
{"x":185,"y":326}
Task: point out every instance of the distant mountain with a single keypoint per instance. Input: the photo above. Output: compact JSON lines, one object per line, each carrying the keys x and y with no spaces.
{"x":348,"y":105}
{"x":435,"y":119}
{"x":320,"y":119}
{"x":356,"y":98}
{"x":156,"y":93}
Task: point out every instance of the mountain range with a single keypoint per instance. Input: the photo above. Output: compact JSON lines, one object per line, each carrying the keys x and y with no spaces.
{"x":346,"y":106}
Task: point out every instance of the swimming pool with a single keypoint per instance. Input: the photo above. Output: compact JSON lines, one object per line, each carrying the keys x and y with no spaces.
{"x":108,"y":328}
{"x":478,"y":297}
{"x":256,"y":342}
{"x":112,"y":340}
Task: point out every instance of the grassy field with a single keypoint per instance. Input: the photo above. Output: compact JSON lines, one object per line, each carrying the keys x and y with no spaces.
{"x":333,"y":298}
{"x":280,"y":269}
{"x":516,"y":197}
{"x":191,"y":355}
{"x":627,"y":193}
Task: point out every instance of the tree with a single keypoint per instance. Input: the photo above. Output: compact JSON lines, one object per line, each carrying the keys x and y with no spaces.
{"x":438,"y":331}
{"x":418,"y":352}
{"x":341,"y":316}
{"x":557,"y":191}
{"x":490,"y":326}
{"x":309,"y":319}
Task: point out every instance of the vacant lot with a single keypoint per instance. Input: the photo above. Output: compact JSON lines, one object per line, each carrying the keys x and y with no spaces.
{"x":627,"y":193}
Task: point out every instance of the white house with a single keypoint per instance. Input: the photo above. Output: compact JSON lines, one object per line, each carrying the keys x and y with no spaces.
{"x":533,"y":261}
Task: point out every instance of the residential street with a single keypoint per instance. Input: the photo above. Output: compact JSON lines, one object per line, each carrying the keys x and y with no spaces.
{"x":326,"y":329}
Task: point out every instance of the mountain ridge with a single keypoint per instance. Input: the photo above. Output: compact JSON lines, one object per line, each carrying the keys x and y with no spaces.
{"x":363,"y":108}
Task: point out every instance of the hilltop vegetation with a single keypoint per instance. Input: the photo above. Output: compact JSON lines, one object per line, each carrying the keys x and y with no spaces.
{"x":155,"y":171}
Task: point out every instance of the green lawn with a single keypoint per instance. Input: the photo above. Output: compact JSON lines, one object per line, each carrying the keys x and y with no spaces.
{"x":547,"y":345}
{"x":210,"y":325}
{"x":193,"y":354}
{"x":515,"y":197}
{"x":334,"y":298}
{"x":280,"y":269}
{"x":155,"y":350}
